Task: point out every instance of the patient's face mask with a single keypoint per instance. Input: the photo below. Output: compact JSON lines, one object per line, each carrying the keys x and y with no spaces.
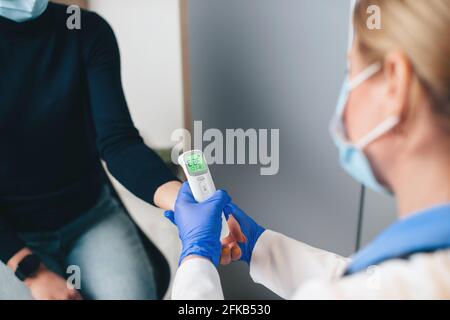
{"x":22,"y":10}
{"x":351,"y":155}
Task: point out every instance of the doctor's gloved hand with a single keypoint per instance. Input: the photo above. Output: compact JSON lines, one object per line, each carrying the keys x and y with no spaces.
{"x":249,"y":232}
{"x":199,"y":224}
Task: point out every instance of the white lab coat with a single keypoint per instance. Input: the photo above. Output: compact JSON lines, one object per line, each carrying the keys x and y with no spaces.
{"x":294,"y":270}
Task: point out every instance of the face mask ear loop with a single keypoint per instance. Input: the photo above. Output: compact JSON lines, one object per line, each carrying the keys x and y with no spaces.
{"x":364,"y":75}
{"x":380,"y":130}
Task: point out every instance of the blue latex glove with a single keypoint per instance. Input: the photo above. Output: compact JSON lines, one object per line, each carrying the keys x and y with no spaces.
{"x":199,"y":224}
{"x":251,"y":230}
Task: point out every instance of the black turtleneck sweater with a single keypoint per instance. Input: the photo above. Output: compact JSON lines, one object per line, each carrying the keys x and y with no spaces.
{"x":62,"y":109}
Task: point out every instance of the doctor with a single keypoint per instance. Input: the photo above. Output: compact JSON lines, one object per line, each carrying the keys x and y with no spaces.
{"x":392,"y":129}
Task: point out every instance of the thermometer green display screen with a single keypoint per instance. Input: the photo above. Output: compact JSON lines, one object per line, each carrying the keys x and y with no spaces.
{"x":195,"y":164}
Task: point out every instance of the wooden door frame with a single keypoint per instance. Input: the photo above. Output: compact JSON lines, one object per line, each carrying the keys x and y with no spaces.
{"x":185,"y":61}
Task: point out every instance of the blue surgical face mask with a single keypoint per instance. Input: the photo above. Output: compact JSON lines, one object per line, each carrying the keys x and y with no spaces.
{"x":22,"y":10}
{"x":351,"y":155}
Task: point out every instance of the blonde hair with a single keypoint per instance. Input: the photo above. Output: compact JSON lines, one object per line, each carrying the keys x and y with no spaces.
{"x":421,"y":30}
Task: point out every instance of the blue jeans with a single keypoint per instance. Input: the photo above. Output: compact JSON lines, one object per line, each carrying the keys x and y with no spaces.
{"x":105,"y":247}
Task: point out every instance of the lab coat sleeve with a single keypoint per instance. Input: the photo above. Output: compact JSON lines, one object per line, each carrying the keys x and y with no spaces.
{"x":283,"y":264}
{"x":197,"y":279}
{"x":422,"y":277}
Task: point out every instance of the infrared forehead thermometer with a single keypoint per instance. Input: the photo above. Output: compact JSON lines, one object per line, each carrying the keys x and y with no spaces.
{"x":202,"y":186}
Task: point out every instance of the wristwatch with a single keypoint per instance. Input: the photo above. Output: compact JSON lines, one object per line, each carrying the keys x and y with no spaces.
{"x":28,"y":267}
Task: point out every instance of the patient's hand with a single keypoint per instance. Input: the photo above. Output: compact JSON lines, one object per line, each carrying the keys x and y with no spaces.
{"x":46,"y":285}
{"x":230,"y":248}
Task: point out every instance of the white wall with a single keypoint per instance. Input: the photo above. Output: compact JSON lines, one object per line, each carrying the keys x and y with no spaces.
{"x":148,"y":32}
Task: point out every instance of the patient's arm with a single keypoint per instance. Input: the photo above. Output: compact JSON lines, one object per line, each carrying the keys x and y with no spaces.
{"x":166,"y":195}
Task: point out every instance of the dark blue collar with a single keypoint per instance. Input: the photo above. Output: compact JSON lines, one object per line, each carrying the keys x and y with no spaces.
{"x":426,"y":231}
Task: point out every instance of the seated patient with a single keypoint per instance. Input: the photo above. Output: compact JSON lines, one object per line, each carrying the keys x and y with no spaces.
{"x":62,"y":109}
